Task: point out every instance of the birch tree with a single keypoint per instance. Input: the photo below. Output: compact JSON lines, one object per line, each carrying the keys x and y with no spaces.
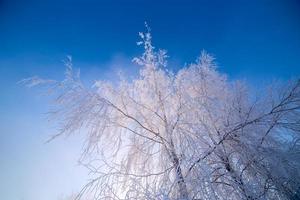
{"x":190,"y":134}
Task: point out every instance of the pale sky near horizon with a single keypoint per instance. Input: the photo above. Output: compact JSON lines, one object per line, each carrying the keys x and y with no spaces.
{"x":252,"y":40}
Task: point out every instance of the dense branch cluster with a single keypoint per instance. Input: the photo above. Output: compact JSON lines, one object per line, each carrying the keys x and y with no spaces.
{"x":192,"y":134}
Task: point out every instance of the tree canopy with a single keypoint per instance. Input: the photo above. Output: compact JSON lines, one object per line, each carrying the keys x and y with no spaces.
{"x":190,"y":134}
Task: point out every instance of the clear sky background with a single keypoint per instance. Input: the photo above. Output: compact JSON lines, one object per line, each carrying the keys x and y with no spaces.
{"x":252,"y":40}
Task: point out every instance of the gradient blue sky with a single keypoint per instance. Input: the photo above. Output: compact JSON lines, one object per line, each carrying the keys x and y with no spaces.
{"x":253,"y":40}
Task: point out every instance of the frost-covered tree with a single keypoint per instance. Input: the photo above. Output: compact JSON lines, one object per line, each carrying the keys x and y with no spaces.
{"x":192,"y":134}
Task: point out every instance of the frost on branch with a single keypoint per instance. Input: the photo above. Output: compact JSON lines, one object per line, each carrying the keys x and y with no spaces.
{"x":192,"y":134}
{"x":35,"y":81}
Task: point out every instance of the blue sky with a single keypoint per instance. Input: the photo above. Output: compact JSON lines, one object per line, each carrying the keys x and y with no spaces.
{"x":253,"y":40}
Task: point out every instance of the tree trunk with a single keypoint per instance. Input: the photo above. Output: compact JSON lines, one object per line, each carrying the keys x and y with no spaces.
{"x":183,"y":193}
